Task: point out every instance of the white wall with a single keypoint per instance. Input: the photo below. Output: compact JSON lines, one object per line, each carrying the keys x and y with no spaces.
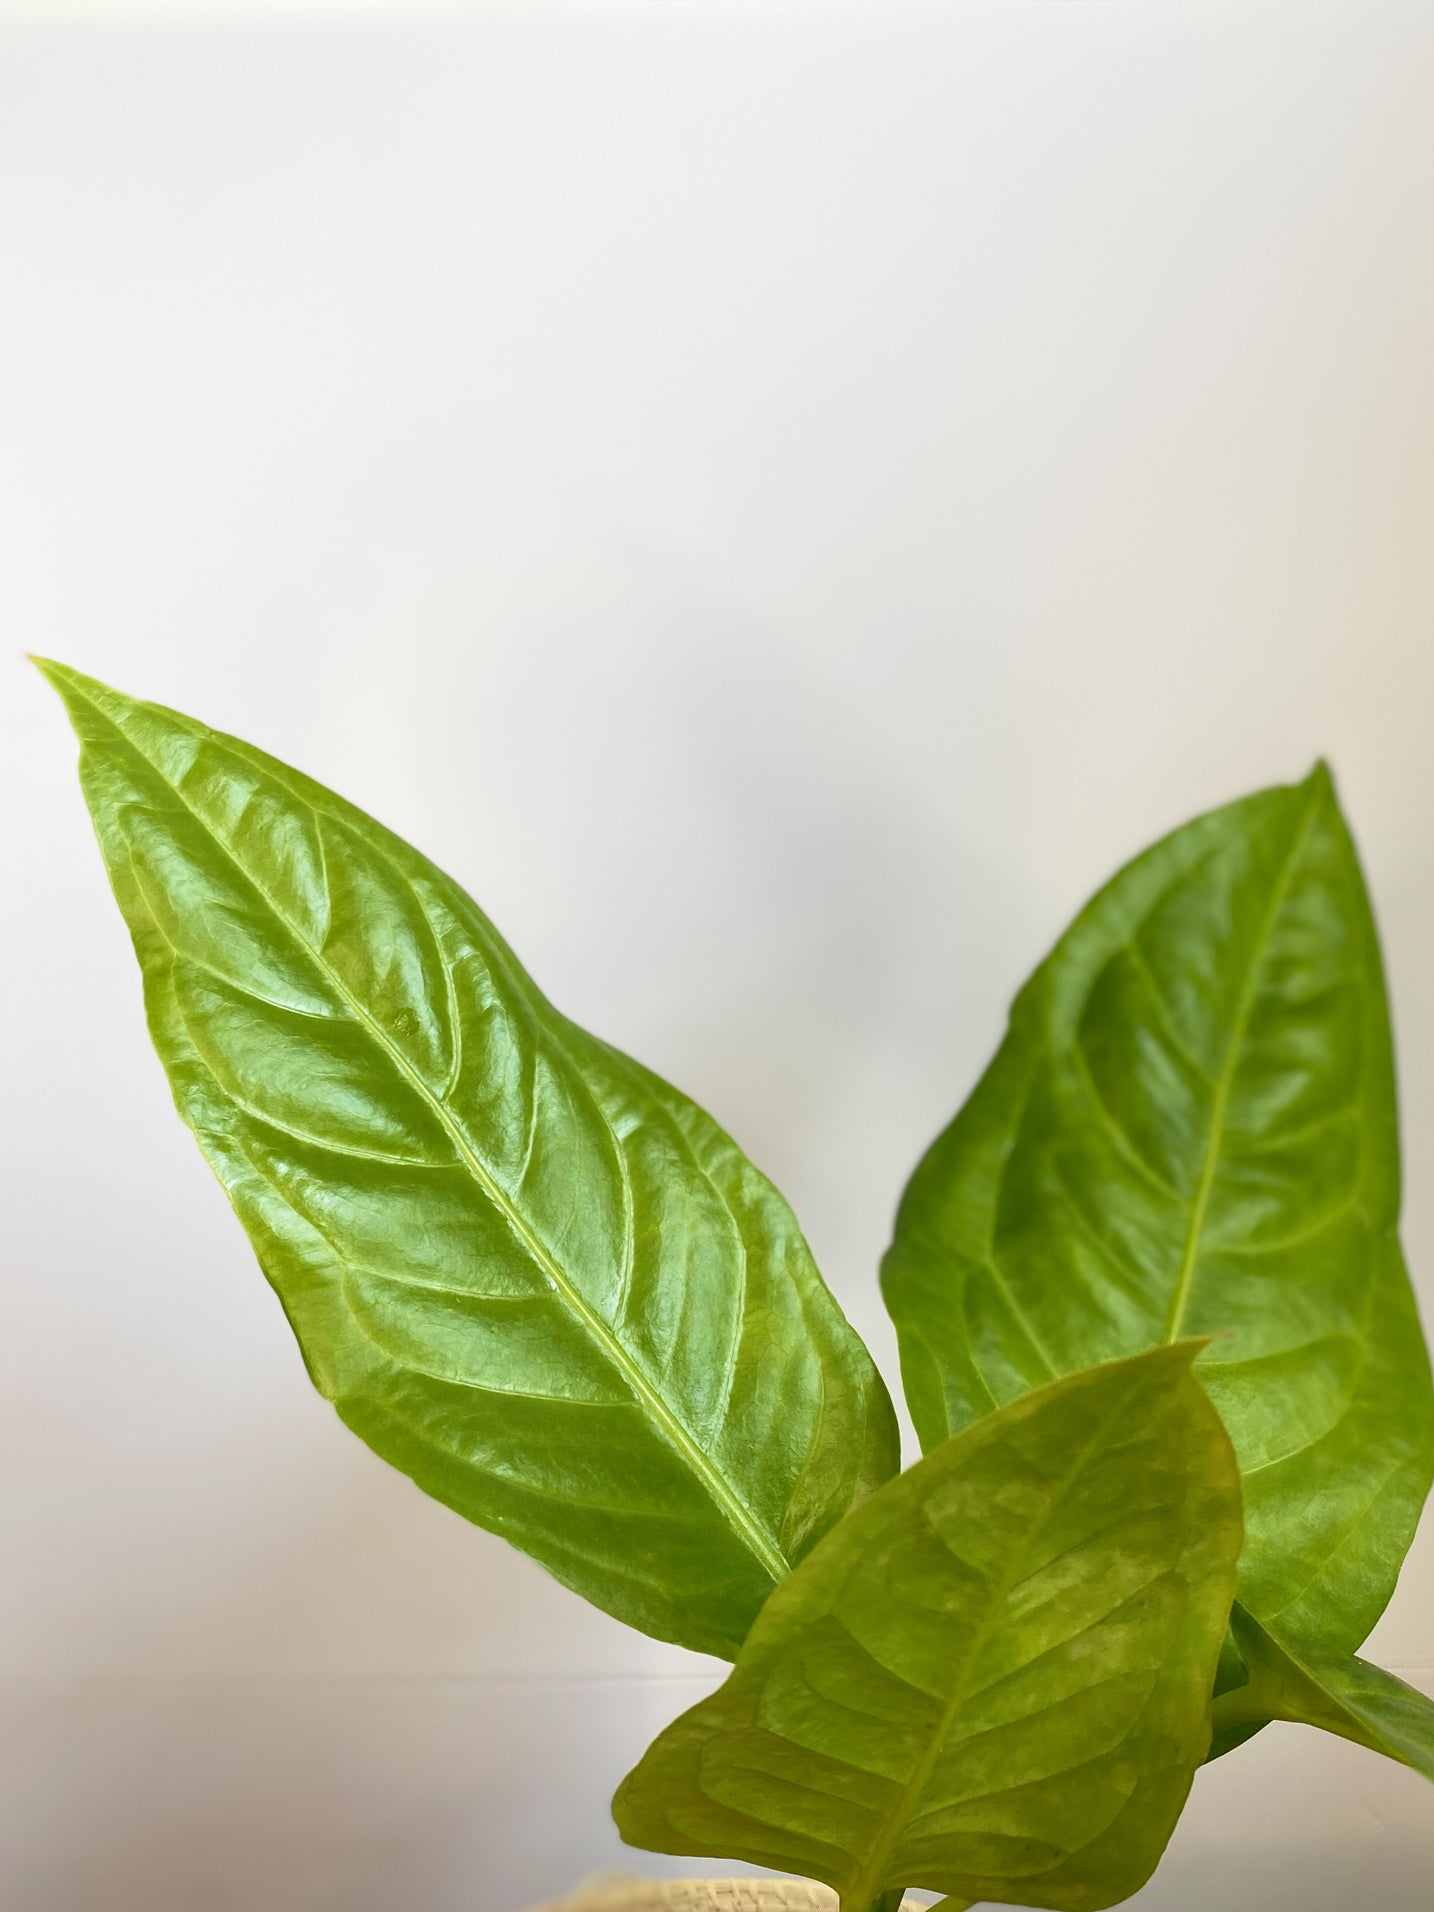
{"x":779,"y":500}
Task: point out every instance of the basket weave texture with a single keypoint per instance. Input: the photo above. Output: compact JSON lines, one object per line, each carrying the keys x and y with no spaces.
{"x":696,"y":1895}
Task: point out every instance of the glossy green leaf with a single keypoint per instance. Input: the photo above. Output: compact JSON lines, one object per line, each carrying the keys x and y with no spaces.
{"x":1342,"y":1695}
{"x":1190,"y":1129}
{"x":993,"y":1678}
{"x":526,"y":1271}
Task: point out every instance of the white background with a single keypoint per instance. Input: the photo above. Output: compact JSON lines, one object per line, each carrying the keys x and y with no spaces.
{"x":779,"y":500}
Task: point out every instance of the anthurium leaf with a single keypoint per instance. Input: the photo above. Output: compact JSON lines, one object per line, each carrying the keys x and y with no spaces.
{"x":526,"y":1271}
{"x":993,"y":1678}
{"x":1342,"y":1695}
{"x":1190,"y":1128}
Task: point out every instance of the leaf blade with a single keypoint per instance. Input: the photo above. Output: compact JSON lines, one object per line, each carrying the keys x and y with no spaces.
{"x":1191,"y":1127}
{"x":1346,"y":1695}
{"x":527,"y":1272}
{"x":991,"y":1679}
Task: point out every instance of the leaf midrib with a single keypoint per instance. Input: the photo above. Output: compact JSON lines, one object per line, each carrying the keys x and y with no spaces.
{"x":1219,"y":1108}
{"x":869,"y":1880}
{"x":738,"y":1516}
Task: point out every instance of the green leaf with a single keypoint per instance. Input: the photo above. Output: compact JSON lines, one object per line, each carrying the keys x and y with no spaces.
{"x":993,"y":1678}
{"x":1190,"y":1128}
{"x":526,"y":1271}
{"x":1342,"y":1695}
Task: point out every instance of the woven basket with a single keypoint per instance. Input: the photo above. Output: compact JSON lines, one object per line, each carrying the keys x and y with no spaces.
{"x":623,"y":1894}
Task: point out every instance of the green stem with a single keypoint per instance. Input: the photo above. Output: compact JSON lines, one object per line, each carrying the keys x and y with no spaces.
{"x":1253,"y":1704}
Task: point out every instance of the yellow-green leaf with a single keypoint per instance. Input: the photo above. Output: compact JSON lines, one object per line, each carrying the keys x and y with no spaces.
{"x":525,"y":1270}
{"x":992,"y":1679}
{"x":1190,"y":1128}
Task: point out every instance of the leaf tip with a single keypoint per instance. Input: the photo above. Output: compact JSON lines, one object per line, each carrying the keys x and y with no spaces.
{"x":1320,"y":781}
{"x":1179,"y":1355}
{"x":60,"y":677}
{"x":74,"y":689}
